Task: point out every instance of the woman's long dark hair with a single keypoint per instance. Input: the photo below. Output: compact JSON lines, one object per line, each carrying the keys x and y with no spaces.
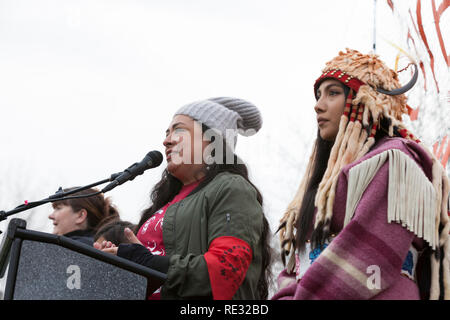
{"x":164,"y":191}
{"x":306,"y":213}
{"x":304,"y":224}
{"x":169,"y":186}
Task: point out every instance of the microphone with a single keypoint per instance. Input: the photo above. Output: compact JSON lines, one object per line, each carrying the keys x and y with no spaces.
{"x":152,"y":160}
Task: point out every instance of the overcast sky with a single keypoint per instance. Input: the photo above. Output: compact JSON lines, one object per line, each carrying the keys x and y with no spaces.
{"x":89,"y":87}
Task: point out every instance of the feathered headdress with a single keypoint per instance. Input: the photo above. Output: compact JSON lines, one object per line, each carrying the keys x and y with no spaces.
{"x":375,"y":95}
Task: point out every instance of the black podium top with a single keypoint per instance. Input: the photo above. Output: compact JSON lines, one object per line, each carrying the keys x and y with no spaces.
{"x":46,"y":266}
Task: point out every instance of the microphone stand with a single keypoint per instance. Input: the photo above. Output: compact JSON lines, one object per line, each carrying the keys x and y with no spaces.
{"x":58,"y":196}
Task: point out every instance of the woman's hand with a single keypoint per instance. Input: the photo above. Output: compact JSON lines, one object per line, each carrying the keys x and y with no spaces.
{"x":106,"y":246}
{"x":109,"y":247}
{"x":131,"y":237}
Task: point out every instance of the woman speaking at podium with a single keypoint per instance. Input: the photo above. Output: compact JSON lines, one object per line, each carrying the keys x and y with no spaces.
{"x":205,"y":228}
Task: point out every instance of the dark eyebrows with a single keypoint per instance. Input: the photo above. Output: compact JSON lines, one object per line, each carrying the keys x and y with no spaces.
{"x":328,"y":86}
{"x":173,"y":126}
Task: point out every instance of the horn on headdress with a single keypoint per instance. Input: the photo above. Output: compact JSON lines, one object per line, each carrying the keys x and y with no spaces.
{"x":403,"y":89}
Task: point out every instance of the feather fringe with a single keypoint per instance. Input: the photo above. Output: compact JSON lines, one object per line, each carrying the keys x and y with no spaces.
{"x":359,"y":178}
{"x":411,"y":196}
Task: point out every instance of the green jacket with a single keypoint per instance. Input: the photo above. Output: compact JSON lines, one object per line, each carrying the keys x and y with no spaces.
{"x":227,"y":206}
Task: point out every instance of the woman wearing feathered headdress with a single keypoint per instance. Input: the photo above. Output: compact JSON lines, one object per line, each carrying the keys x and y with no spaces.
{"x":370,"y":218}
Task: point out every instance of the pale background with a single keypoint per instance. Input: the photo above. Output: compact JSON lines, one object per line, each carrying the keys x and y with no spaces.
{"x":89,"y":87}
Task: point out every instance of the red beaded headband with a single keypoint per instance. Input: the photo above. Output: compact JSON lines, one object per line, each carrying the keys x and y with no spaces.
{"x":342,"y":76}
{"x":355,"y":112}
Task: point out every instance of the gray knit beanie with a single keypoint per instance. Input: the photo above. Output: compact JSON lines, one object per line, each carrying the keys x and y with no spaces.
{"x":225,"y":115}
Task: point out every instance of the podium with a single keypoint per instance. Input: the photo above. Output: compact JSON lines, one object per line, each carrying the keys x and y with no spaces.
{"x":45,"y":266}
